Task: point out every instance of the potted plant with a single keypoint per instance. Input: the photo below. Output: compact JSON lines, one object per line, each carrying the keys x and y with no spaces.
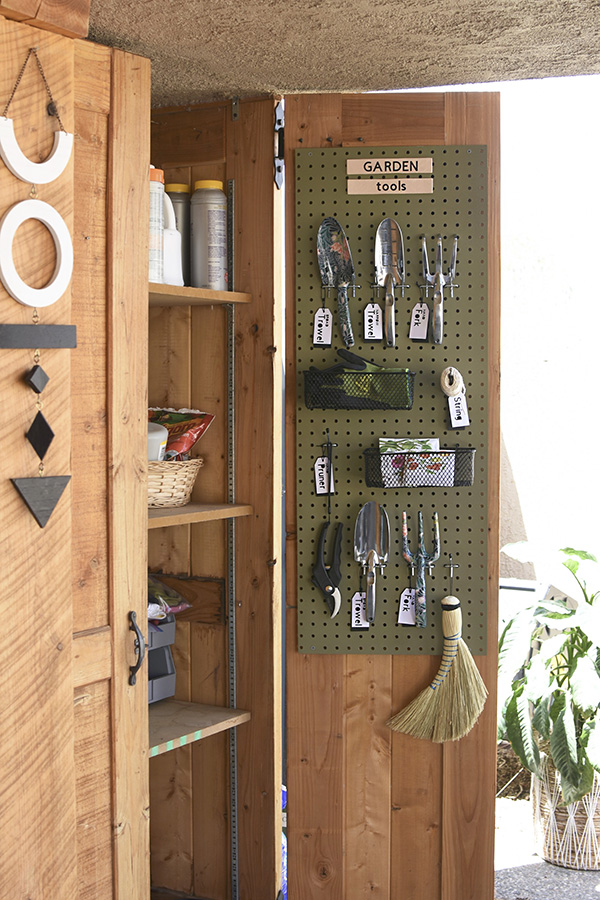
{"x":549,"y":710}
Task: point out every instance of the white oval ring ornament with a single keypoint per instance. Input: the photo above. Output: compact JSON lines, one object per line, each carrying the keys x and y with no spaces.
{"x":56,"y":225}
{"x":28,"y":171}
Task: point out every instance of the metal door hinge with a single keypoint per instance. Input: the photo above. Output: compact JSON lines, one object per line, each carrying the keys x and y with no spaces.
{"x":279,"y":144}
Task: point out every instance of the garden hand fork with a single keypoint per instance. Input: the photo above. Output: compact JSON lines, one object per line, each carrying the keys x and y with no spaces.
{"x":438,"y":281}
{"x":419,"y":561}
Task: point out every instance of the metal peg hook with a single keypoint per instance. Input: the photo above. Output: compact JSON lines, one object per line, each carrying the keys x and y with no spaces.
{"x":452,"y":566}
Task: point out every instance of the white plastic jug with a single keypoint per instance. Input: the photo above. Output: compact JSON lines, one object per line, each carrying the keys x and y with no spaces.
{"x":172,"y":260}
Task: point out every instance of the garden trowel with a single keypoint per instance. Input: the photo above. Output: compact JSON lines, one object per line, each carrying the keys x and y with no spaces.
{"x":371,"y":547}
{"x":337,"y":270}
{"x":389,"y":271}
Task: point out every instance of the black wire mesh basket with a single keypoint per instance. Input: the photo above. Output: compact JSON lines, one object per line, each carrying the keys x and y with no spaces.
{"x":359,"y":390}
{"x":431,"y":468}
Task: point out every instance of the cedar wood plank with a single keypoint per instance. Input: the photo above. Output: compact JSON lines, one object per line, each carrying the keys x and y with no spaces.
{"x":315,"y":685}
{"x":129,"y":143}
{"x":470,"y":767}
{"x":37,"y":773}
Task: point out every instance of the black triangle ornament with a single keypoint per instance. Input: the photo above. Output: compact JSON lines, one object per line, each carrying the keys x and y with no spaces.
{"x":41,"y":494}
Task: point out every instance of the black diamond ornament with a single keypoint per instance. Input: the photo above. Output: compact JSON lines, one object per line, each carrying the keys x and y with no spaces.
{"x":40,"y":435}
{"x":37,"y":379}
{"x":41,"y":494}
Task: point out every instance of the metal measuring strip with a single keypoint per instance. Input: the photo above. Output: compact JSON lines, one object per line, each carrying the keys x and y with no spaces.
{"x":231,"y":583}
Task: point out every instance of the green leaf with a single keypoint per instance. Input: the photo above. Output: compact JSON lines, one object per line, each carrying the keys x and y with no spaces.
{"x":573,"y":793}
{"x":552,"y":646}
{"x":590,"y":740}
{"x":563,"y":746}
{"x":587,"y":618}
{"x":541,"y":717}
{"x":585,"y":686}
{"x":537,"y":678}
{"x":520,"y":732}
{"x":513,"y":653}
{"x":581,"y":554}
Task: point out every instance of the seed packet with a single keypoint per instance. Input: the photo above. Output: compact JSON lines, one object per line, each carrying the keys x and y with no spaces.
{"x":185,"y":427}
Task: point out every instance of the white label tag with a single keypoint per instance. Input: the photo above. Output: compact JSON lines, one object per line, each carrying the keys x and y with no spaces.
{"x":321,"y":471}
{"x":406,"y":611}
{"x":322,"y":327}
{"x":459,"y":413}
{"x":419,"y":321}
{"x":359,"y":611}
{"x":373,"y":322}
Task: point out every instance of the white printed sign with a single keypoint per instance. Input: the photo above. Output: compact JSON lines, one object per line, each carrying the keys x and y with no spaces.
{"x":406,"y":612}
{"x":459,"y":413}
{"x":373,"y":322}
{"x":322,"y":327}
{"x":359,"y":611}
{"x":322,"y":470}
{"x":389,"y":186}
{"x":388,"y":166}
{"x":419,"y":322}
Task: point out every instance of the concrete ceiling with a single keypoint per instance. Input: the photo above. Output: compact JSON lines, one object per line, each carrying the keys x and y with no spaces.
{"x":203,"y":51}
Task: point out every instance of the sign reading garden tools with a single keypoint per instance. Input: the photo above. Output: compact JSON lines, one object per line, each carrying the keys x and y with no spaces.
{"x":406,"y":176}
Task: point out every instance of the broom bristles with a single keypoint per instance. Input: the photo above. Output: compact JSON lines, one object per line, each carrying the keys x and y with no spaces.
{"x":448,"y":708}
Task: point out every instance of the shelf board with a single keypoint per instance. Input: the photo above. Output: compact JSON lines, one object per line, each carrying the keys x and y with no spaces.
{"x":171,"y":295}
{"x":196,"y":512}
{"x":174,"y":723}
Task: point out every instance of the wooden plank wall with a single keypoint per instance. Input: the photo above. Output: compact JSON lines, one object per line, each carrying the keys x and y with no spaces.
{"x":189,"y":788}
{"x":37,"y":779}
{"x":67,"y":807}
{"x":371,"y":813}
{"x":112,"y":97}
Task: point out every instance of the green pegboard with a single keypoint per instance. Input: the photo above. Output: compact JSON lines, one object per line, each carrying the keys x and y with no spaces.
{"x":457,"y":206}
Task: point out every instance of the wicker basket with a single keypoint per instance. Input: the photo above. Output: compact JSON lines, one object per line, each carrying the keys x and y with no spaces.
{"x":567,"y":836}
{"x":171,"y":483}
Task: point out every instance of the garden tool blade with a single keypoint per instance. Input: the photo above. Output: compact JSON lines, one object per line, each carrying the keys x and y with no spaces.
{"x":337,"y":270}
{"x":389,"y":271}
{"x":371,"y":546}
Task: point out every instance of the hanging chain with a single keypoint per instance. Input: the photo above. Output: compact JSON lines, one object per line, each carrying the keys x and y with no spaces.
{"x":52,"y":107}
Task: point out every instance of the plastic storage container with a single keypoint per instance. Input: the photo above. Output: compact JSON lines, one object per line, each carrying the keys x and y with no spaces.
{"x":161,"y":668}
{"x":155,"y":248}
{"x":179,"y":195}
{"x":208,"y":236}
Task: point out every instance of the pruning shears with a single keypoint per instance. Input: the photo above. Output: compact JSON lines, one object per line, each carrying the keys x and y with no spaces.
{"x":328,"y":576}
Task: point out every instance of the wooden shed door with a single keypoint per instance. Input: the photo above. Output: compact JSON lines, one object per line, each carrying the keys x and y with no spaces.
{"x":73,"y":770}
{"x":372,"y":813}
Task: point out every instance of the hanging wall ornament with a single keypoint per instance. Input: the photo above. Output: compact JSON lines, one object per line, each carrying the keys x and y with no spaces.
{"x":40,"y":493}
{"x":54,"y":222}
{"x":22,"y":167}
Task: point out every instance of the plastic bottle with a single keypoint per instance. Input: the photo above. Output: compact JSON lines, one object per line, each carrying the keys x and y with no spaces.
{"x":180,"y":198}
{"x":157,"y":441}
{"x":208,"y":236}
{"x":155,"y":250}
{"x":172,"y":260}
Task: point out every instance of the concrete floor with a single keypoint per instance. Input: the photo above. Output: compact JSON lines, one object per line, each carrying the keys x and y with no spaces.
{"x":521,"y":874}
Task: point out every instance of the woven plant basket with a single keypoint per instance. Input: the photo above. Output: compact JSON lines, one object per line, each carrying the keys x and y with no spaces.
{"x":565,"y":835}
{"x":171,"y":483}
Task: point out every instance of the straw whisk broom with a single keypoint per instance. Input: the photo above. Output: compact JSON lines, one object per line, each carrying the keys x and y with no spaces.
{"x":448,"y":708}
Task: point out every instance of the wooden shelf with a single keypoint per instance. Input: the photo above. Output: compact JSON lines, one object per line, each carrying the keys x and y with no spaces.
{"x":196,"y":512}
{"x":174,"y":723}
{"x":171,"y":295}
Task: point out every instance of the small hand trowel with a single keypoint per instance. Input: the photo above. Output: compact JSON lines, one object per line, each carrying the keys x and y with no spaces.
{"x":389,"y":271}
{"x":371,"y":547}
{"x":337,"y":270}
